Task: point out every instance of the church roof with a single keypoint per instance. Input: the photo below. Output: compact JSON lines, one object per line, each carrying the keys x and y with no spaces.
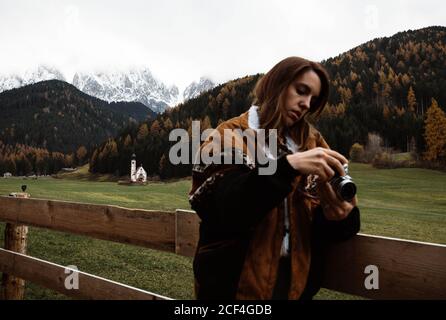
{"x":140,"y":168}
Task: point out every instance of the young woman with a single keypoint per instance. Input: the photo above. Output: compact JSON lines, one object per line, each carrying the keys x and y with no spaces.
{"x":262,"y":235}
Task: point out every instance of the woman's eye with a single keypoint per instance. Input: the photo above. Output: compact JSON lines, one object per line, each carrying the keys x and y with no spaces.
{"x":300,"y":91}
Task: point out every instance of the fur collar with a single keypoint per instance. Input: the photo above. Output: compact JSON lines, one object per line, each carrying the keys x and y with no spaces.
{"x":253,"y":123}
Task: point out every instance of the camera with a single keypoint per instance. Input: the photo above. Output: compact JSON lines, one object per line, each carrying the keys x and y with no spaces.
{"x":344,"y":186}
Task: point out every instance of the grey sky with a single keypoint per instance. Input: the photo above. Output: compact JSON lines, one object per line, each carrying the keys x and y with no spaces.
{"x":183,"y":40}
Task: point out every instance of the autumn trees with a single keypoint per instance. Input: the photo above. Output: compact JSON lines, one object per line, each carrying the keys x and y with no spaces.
{"x":435,"y":133}
{"x":25,"y":160}
{"x":392,"y":81}
{"x":80,"y":154}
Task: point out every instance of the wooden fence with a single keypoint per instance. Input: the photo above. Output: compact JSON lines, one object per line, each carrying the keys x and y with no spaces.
{"x":407,"y":269}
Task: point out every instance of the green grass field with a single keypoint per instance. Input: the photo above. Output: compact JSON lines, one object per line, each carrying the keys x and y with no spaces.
{"x":402,"y":203}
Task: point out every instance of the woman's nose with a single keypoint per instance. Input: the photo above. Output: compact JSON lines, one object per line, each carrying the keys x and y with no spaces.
{"x":305,"y":102}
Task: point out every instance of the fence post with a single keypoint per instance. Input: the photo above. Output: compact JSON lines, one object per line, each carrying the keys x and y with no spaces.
{"x":186,"y":232}
{"x":13,"y":288}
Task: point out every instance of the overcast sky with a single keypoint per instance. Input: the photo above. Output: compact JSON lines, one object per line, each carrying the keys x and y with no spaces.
{"x":183,"y":40}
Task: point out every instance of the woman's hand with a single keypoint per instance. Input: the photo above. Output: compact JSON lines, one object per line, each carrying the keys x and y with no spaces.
{"x":323,"y":163}
{"x":333,"y":207}
{"x":318,"y":161}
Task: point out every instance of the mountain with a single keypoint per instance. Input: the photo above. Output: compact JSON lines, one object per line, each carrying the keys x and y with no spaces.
{"x":383,"y":69}
{"x":371,"y":87}
{"x":57,"y":116}
{"x":135,"y":85}
{"x":383,"y":86}
{"x":194,"y":89}
{"x":135,"y":110}
{"x":41,"y":73}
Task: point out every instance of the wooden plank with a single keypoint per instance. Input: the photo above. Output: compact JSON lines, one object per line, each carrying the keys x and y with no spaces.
{"x":407,"y":269}
{"x":186,"y":232}
{"x":53,"y":276}
{"x":152,"y":229}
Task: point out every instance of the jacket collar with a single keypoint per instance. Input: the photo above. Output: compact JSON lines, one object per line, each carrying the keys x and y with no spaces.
{"x":254,"y":123}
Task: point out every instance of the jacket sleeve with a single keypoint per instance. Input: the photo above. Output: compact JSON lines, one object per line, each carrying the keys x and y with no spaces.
{"x":325,"y":230}
{"x":241,"y":197}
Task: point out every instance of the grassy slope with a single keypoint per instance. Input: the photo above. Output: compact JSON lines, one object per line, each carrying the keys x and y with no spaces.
{"x":404,"y":203}
{"x":82,"y":174}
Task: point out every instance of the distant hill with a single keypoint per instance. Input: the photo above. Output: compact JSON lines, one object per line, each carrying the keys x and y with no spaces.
{"x":383,"y":70}
{"x":371,"y":85}
{"x":57,"y":116}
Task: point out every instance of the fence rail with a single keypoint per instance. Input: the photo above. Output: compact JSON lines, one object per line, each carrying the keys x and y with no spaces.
{"x":53,"y":276}
{"x":151,"y":229}
{"x":407,"y":269}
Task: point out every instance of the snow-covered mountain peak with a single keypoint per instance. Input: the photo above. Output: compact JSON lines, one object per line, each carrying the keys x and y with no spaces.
{"x":194,"y":89}
{"x":132,"y":85}
{"x":20,"y":79}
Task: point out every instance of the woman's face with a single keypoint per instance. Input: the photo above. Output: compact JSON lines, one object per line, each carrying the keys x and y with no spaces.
{"x":300,"y":96}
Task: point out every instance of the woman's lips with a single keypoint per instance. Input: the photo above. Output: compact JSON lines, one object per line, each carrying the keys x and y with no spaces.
{"x":295,"y":115}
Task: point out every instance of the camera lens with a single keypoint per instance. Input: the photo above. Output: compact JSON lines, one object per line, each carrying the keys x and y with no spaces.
{"x":347,"y":191}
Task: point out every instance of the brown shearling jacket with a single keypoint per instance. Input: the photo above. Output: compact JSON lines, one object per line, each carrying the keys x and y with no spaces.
{"x":242,"y":224}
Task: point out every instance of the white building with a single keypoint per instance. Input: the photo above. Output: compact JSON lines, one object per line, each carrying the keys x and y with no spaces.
{"x":137,"y":175}
{"x":141,"y":175}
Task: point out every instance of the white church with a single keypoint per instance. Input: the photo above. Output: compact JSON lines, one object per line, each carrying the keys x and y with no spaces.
{"x":137,"y":175}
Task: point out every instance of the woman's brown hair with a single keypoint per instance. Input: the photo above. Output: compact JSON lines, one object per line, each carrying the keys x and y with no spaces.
{"x":270,"y":93}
